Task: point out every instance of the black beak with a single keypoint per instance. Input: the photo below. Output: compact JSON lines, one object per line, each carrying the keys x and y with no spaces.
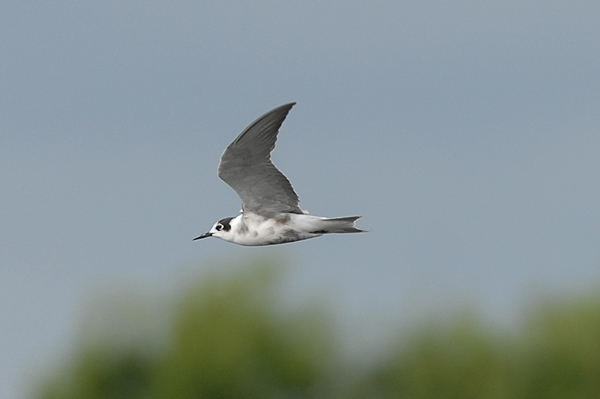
{"x":202,"y":236}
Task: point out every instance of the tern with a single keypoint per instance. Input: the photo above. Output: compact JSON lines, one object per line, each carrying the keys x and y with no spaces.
{"x":270,"y":211}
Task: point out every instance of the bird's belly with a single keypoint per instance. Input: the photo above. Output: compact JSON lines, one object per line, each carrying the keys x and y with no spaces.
{"x":265,"y":231}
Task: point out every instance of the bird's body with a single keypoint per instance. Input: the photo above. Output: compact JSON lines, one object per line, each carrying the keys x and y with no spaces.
{"x":270,"y":211}
{"x":253,"y":229}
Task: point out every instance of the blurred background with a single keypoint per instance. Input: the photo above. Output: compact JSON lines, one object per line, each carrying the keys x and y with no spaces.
{"x":466,"y":134}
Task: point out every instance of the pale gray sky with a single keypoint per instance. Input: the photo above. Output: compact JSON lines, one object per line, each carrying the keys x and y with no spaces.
{"x":467,"y":134}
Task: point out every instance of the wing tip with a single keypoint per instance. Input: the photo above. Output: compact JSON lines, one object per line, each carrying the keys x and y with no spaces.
{"x":286,"y":107}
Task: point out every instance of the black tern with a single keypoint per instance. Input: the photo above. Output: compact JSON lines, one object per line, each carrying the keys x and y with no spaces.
{"x":270,"y":211}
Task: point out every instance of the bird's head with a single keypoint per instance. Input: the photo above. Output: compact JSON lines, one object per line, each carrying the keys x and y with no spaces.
{"x":221,"y":229}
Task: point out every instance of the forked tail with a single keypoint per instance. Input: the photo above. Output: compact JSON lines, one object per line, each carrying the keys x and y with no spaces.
{"x":344,"y":224}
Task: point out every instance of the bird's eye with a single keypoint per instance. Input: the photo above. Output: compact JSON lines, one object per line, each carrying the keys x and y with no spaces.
{"x":219,"y":227}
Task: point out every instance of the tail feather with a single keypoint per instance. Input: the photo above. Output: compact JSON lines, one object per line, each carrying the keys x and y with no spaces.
{"x":344,"y":224}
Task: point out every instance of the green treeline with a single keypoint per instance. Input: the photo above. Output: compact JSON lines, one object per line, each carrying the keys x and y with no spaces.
{"x":228,"y":337}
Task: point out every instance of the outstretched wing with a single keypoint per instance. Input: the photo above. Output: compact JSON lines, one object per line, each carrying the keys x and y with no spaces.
{"x":246,"y":166}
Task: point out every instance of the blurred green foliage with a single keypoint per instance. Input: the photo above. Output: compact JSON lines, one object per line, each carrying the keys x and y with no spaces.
{"x":228,"y":337}
{"x":455,"y":360}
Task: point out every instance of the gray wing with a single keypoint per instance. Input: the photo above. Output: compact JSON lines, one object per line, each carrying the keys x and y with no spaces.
{"x":246,"y":166}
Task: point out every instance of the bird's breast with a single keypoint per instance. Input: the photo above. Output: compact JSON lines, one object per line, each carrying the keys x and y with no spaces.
{"x":259,"y":230}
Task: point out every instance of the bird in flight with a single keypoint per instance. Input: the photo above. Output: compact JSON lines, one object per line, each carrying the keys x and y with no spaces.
{"x":270,"y":211}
